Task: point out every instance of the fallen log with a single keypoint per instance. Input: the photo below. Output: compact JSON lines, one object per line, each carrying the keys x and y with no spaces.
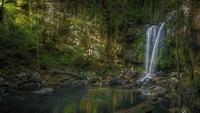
{"x":145,"y":107}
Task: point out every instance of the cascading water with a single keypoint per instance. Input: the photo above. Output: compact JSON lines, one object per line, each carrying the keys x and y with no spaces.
{"x":152,"y":42}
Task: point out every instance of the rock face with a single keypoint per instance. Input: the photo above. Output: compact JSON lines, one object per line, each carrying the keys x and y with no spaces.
{"x":43,"y":91}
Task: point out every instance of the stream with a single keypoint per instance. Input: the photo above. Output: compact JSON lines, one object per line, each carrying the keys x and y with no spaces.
{"x":75,"y":100}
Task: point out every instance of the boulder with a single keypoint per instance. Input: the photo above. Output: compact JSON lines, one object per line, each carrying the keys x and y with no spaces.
{"x":22,"y":76}
{"x":36,"y":77}
{"x":170,"y":83}
{"x":43,"y":91}
{"x":116,"y":81}
{"x":152,"y":90}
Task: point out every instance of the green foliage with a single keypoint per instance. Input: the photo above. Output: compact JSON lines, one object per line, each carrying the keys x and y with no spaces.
{"x":192,"y":92}
{"x":74,"y":32}
{"x":139,"y":47}
{"x":170,"y":41}
{"x":49,"y":59}
{"x":57,"y":58}
{"x":15,"y":33}
{"x":165,"y":58}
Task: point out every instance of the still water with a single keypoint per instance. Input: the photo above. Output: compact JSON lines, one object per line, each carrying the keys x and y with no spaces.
{"x":73,"y":100}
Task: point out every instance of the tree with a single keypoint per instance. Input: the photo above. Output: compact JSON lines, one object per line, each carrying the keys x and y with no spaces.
{"x":178,"y":57}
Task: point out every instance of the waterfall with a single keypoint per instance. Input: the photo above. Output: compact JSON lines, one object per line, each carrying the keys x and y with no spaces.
{"x":152,"y":44}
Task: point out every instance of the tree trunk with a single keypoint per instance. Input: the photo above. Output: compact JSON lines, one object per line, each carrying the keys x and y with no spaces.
{"x":189,"y":62}
{"x":178,"y":62}
{"x":38,"y":58}
{"x":44,"y":32}
{"x":108,"y":34}
{"x":1,"y":11}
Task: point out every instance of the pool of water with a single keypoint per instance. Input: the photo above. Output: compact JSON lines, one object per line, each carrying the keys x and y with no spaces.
{"x":73,"y":100}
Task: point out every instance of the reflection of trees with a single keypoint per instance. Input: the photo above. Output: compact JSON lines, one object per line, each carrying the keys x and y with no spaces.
{"x":105,"y":99}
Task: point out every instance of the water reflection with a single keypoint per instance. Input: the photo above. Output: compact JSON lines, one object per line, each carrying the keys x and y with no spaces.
{"x":73,"y":100}
{"x":105,"y":100}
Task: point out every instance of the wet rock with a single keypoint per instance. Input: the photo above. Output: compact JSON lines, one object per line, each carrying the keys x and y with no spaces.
{"x":147,"y":81}
{"x":43,"y":91}
{"x":158,"y":74}
{"x":116,"y":81}
{"x":36,"y":77}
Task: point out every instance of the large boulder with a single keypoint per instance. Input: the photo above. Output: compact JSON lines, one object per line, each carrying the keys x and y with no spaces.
{"x":43,"y":91}
{"x":152,"y":90}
